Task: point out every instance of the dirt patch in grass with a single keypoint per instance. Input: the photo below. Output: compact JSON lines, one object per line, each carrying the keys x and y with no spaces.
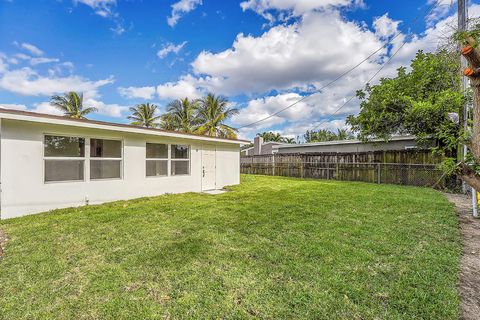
{"x":3,"y":240}
{"x":470,"y":261}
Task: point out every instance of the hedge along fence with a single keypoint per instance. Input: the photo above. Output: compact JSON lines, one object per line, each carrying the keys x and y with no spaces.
{"x":406,"y":167}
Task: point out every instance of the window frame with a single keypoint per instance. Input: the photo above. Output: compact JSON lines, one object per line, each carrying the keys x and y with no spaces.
{"x":189,"y":156}
{"x":46,"y":158}
{"x":90,"y":158}
{"x":167,"y":159}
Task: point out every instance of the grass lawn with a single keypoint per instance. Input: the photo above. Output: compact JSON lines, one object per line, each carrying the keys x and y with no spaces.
{"x":273,"y":248}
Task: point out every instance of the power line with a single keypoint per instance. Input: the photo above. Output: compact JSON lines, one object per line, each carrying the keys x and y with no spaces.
{"x":414,"y":21}
{"x":368,"y":81}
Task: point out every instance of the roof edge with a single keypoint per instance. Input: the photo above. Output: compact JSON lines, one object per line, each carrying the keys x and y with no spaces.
{"x":25,"y":115}
{"x":341,"y":142}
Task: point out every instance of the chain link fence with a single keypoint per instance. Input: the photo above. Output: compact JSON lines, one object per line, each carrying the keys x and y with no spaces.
{"x":424,"y":175}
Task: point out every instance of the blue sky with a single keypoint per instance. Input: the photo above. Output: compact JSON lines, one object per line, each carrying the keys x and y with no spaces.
{"x":261,"y":54}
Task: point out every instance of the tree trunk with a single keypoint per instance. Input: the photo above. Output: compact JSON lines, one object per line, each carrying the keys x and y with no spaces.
{"x":469,"y":176}
{"x":472,"y":55}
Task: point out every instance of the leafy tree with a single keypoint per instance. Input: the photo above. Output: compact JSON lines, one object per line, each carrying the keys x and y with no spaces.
{"x":344,"y":134}
{"x":327,"y":135}
{"x":181,"y":115}
{"x":144,"y":115}
{"x":417,"y":101}
{"x":213,"y":112}
{"x":271,"y":136}
{"x":71,"y":104}
{"x":289,"y":140}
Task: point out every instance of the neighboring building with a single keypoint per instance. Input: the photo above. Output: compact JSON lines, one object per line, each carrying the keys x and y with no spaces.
{"x":345,"y":146}
{"x":49,"y":162}
{"x":340,"y":146}
{"x":260,"y":147}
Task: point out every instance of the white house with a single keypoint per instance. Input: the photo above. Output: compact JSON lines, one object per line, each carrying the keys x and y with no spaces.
{"x":49,"y":162}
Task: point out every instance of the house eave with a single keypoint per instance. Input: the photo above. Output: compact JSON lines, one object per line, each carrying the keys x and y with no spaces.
{"x":119,"y":127}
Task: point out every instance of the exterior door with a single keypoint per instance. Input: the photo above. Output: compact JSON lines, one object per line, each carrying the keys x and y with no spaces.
{"x":208,"y":167}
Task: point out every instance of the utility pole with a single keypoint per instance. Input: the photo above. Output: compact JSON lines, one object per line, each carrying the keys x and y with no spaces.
{"x":462,"y":26}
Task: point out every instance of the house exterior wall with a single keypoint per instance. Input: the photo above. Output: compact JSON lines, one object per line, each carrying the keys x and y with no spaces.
{"x":266,"y":148}
{"x":350,"y":147}
{"x":25,"y":192}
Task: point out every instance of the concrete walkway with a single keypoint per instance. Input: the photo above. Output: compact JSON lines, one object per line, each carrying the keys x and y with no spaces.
{"x":470,"y":262}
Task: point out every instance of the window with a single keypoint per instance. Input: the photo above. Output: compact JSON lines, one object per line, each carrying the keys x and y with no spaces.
{"x":64,"y":158}
{"x":180,"y":155}
{"x":105,"y":159}
{"x":157,"y":160}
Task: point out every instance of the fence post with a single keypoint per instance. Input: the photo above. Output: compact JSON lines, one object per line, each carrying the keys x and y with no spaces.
{"x":378,"y":174}
{"x":273,"y":164}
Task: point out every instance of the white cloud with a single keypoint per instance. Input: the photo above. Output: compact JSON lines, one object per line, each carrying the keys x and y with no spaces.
{"x":293,"y":7}
{"x":185,"y":87}
{"x":46,"y":107}
{"x":180,"y":8}
{"x":28,"y":82}
{"x":170,"y":48}
{"x":31,"y":48}
{"x":3,"y":63}
{"x":137,"y":92}
{"x":289,"y":56}
{"x":103,"y":8}
{"x":90,"y":99}
{"x":263,"y":107}
{"x":385,"y":27}
{"x":41,"y":60}
{"x":13,"y":106}
{"x":441,"y":10}
{"x":111,"y":110}
{"x":118,"y":29}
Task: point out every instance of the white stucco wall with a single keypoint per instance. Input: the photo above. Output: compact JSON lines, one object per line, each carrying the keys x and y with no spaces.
{"x":25,"y":192}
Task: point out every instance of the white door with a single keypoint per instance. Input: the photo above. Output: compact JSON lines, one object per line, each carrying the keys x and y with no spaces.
{"x":208,"y":167}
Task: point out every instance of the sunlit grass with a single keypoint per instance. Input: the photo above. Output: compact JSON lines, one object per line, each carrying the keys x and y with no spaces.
{"x":272,"y":248}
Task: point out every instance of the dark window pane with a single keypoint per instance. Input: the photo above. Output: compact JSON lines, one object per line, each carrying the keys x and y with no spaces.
{"x":58,"y":146}
{"x":179,"y":151}
{"x":180,"y":167}
{"x":157,"y":168}
{"x":105,"y":169}
{"x":101,"y":148}
{"x":64,"y":170}
{"x":155,"y":150}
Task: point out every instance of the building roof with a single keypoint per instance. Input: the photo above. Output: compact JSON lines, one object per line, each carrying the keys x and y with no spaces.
{"x":344,"y":142}
{"x":94,"y":124}
{"x":275,"y":143}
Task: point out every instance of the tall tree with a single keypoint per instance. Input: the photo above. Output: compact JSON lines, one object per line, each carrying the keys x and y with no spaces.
{"x":270,"y":136}
{"x":289,"y":140}
{"x":213,"y":112}
{"x":416,"y":102}
{"x":71,"y":104}
{"x":181,"y":115}
{"x":144,"y":115}
{"x":344,"y":134}
{"x":469,"y":169}
{"x":321,"y":135}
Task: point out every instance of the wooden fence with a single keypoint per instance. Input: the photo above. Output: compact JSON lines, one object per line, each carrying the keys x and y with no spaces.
{"x":406,"y":167}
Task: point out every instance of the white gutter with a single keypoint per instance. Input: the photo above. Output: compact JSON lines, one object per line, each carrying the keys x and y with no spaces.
{"x":110,"y":126}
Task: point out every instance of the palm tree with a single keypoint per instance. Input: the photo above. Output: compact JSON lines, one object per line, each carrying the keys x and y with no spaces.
{"x":144,"y":115}
{"x":71,"y":104}
{"x":344,"y":134}
{"x":288,"y":140}
{"x":212,"y":113}
{"x":181,"y":116}
{"x":270,"y":136}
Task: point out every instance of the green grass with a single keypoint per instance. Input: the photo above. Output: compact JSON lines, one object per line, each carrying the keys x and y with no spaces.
{"x":272,"y":248}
